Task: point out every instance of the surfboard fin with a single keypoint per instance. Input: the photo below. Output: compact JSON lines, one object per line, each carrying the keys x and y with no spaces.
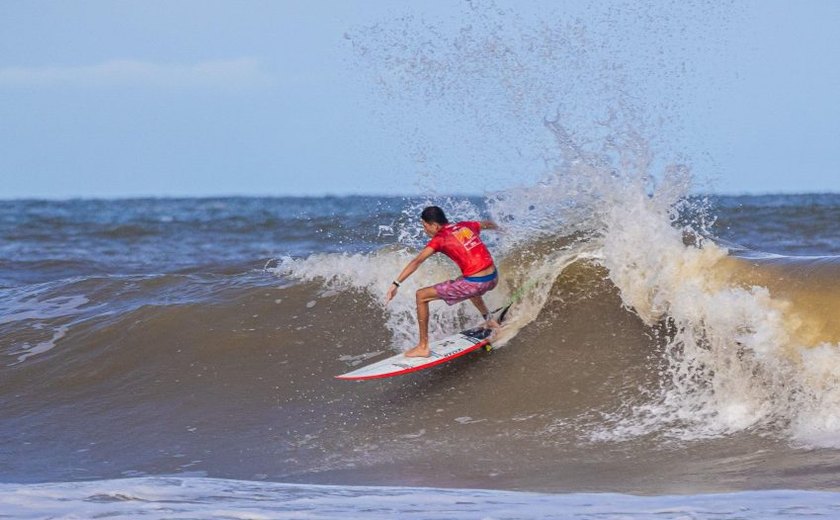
{"x":504,"y":313}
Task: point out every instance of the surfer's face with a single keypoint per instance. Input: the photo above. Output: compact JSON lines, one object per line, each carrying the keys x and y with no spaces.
{"x":431,"y":228}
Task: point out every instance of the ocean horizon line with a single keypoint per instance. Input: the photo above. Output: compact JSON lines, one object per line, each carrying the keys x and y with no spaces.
{"x":140,"y":197}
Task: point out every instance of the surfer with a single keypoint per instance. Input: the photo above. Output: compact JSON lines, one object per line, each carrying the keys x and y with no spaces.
{"x":462,"y":244}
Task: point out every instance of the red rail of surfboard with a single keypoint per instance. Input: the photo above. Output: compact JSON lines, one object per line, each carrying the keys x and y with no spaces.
{"x":418,"y":367}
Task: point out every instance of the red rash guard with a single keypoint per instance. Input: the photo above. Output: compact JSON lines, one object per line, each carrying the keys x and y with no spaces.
{"x":461,"y":243}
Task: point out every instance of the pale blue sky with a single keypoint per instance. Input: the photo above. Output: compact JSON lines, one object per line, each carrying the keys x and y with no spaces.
{"x":197,"y":97}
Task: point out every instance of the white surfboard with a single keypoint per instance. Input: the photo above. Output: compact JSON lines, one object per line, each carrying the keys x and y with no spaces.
{"x":442,"y":351}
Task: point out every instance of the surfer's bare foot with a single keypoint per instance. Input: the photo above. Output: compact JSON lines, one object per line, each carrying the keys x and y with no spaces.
{"x":492,"y":324}
{"x":419,"y":351}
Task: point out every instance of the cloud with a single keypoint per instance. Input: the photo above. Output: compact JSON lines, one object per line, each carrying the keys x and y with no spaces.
{"x":225,"y":74}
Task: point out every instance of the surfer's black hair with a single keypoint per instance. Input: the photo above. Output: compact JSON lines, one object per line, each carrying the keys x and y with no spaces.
{"x":434,"y":215}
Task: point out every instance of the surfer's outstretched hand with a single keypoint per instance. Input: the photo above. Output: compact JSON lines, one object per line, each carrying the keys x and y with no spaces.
{"x":392,"y":291}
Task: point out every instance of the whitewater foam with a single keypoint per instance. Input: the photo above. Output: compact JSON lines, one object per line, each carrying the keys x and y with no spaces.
{"x":180,"y":497}
{"x":735,"y":358}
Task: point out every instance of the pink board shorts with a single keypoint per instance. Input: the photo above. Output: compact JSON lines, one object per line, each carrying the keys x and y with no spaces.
{"x":460,"y":289}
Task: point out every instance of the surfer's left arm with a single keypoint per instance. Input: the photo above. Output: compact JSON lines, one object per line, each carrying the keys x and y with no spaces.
{"x":407,"y":271}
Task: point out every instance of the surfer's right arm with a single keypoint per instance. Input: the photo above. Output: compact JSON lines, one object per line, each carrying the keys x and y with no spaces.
{"x":407,"y":271}
{"x":488,"y":224}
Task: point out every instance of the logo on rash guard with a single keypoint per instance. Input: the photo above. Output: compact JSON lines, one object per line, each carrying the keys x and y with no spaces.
{"x":466,"y":237}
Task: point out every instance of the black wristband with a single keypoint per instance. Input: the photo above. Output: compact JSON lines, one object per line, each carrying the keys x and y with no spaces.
{"x":396,"y":283}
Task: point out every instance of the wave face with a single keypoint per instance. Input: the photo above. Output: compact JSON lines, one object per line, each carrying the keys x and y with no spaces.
{"x":658,"y":342}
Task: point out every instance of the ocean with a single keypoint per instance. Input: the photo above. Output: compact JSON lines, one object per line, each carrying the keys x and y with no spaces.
{"x":668,"y":355}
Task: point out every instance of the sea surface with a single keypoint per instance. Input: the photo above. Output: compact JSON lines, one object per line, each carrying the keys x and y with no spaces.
{"x":667,"y":356}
